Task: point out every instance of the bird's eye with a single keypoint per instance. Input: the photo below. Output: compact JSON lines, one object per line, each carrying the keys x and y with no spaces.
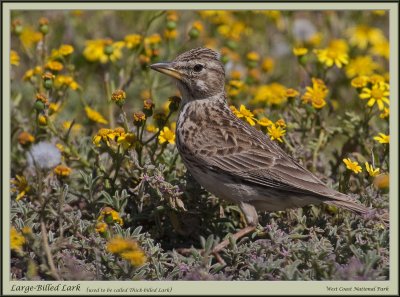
{"x":198,"y":67}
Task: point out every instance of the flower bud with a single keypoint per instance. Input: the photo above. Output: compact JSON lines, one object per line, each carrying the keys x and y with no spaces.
{"x":171,"y":25}
{"x":174,"y":102}
{"x":139,"y":118}
{"x":44,"y":26}
{"x":160,"y":119}
{"x":47,"y":80}
{"x":148,"y":107}
{"x":144,"y":61}
{"x":17,"y":27}
{"x":39,"y":105}
{"x":108,"y":47}
{"x":194,"y":33}
{"x":108,"y":50}
{"x":118,"y":96}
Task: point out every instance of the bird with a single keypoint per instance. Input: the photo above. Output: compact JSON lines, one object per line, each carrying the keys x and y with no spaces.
{"x":230,"y":158}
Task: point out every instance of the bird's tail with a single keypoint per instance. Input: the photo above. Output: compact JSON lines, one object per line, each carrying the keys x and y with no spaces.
{"x":358,"y":208}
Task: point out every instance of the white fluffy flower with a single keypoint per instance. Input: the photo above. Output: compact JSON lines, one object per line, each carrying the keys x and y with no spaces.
{"x":45,"y":154}
{"x":303,"y":29}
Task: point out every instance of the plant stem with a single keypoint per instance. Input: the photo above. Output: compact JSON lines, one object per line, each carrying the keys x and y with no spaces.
{"x":317,"y":148}
{"x":47,"y":250}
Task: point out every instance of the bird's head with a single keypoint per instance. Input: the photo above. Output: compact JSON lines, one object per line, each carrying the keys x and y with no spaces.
{"x":198,"y":72}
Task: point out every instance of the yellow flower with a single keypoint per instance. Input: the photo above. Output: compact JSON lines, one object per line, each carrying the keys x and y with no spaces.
{"x":371,"y":170}
{"x":335,"y":53}
{"x":20,"y":185}
{"x":127,"y":140}
{"x":362,"y":35}
{"x":95,"y":116}
{"x":42,"y":120}
{"x":116,"y":218}
{"x":381,"y":181}
{"x":60,"y":147}
{"x":300,"y":51}
{"x":274,"y":93}
{"x":316,"y":94}
{"x":268,"y":64}
{"x":253,"y":56}
{"x":17,"y":240}
{"x":378,"y":94}
{"x":166,"y":135}
{"x":170,"y":34}
{"x":376,"y":78}
{"x":352,"y":165}
{"x":151,"y":45}
{"x":66,"y":49}
{"x":132,"y":40}
{"x":361,"y":65}
{"x":28,"y":74}
{"x":172,"y":16}
{"x":234,"y":30}
{"x":103,"y":50}
{"x":315,"y":39}
{"x":359,"y":81}
{"x":101,"y":227}
{"x":281,"y":123}
{"x":103,"y":135}
{"x":382,"y":138}
{"x":25,"y":138}
{"x":244,"y":113}
{"x":291,"y":93}
{"x":265,"y":122}
{"x":381,"y":49}
{"x":68,"y":81}
{"x":114,"y":138}
{"x":14,"y":58}
{"x":31,"y":72}
{"x":235,"y":87}
{"x":198,"y":26}
{"x":216,"y":16}
{"x":128,"y":249}
{"x":135,"y":257}
{"x":153,"y":39}
{"x":110,"y":216}
{"x":276,"y":132}
{"x":118,"y":245}
{"x":54,"y":107}
{"x":151,"y":128}
{"x":29,"y":37}
{"x":75,"y":128}
{"x":62,"y":171}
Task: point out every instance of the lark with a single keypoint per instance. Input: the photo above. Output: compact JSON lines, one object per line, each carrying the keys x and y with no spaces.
{"x":231,"y":159}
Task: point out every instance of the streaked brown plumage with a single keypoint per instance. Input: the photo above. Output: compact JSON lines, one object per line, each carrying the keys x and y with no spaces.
{"x":230,"y":158}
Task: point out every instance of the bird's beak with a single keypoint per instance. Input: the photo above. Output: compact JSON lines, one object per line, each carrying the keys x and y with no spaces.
{"x":167,"y":69}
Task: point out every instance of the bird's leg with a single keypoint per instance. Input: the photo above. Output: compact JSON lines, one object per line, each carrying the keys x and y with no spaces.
{"x":251,"y":216}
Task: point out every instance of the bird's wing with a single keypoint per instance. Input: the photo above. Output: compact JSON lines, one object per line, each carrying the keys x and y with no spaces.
{"x":244,"y":152}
